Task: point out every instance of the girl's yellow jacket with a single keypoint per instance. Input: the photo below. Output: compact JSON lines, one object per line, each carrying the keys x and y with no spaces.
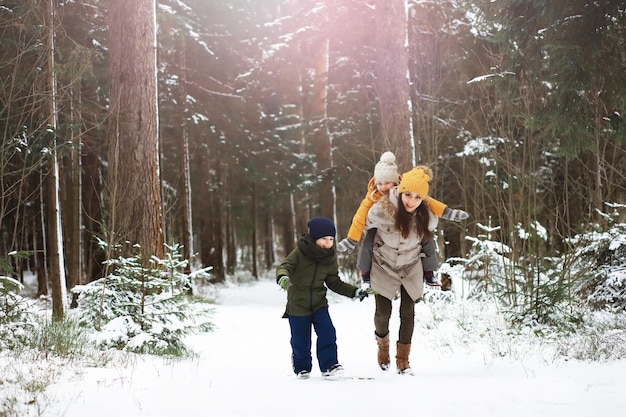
{"x":358,"y":221}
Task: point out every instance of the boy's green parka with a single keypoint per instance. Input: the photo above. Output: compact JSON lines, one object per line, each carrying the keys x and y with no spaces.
{"x":311,"y":269}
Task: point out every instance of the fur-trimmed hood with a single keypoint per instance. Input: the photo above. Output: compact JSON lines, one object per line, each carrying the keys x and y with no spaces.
{"x":389,"y":204}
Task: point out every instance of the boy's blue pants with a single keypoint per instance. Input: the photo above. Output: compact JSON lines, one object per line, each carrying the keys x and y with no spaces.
{"x":301,"y":340}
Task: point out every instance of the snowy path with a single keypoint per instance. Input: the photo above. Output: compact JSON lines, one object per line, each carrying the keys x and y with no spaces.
{"x":244,"y":369}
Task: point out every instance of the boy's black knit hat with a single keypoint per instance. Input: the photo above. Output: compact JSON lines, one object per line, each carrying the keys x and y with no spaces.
{"x":320,"y":227}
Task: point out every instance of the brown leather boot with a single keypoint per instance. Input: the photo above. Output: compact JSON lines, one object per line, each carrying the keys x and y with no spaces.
{"x":383,"y":351}
{"x":402,"y":358}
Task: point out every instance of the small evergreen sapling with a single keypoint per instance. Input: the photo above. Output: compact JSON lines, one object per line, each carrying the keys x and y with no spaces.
{"x":17,"y":320}
{"x":143,"y":310}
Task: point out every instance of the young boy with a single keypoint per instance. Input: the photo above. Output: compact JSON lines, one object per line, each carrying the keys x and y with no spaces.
{"x":304,"y":274}
{"x":386,"y":177}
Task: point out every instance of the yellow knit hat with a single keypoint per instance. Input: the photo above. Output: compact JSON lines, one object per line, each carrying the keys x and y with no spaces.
{"x":416,"y":181}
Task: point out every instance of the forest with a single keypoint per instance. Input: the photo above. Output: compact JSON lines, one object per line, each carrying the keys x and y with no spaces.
{"x":219,"y":127}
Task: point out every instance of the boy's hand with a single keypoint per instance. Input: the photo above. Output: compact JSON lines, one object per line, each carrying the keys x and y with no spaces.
{"x":284,"y":282}
{"x":346,"y":245}
{"x":455,"y":215}
{"x":361,"y":293}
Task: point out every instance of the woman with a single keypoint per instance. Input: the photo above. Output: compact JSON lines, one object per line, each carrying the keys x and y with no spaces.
{"x":403,"y":249}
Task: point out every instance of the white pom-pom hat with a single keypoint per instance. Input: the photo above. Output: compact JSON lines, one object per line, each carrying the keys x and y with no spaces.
{"x":386,"y":169}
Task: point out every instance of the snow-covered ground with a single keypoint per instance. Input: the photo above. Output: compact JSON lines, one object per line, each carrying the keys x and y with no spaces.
{"x":243,"y":369}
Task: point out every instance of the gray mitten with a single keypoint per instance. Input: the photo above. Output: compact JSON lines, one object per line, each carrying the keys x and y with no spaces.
{"x":346,"y":245}
{"x":455,"y":215}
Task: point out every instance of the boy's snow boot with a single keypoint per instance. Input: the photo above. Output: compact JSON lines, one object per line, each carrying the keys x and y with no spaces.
{"x":336,"y":369}
{"x":383,"y":351}
{"x":402,"y":358}
{"x":303,"y":374}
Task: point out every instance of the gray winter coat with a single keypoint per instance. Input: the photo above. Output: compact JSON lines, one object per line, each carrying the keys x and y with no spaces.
{"x":398,"y":261}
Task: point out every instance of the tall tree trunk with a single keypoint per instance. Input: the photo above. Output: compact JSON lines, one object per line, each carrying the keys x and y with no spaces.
{"x":187,"y":227}
{"x":318,"y":125}
{"x":226,"y":220}
{"x":212,"y":247}
{"x":136,"y":211}
{"x":300,"y":204}
{"x":216,"y":240}
{"x":92,"y":191}
{"x":268,"y":240}
{"x":288,"y":224}
{"x":204,"y":206}
{"x":315,"y":80}
{"x":51,"y":187}
{"x":39,"y":245}
{"x":72,"y":220}
{"x":599,"y":169}
{"x":392,"y":85}
{"x":253,"y":239}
